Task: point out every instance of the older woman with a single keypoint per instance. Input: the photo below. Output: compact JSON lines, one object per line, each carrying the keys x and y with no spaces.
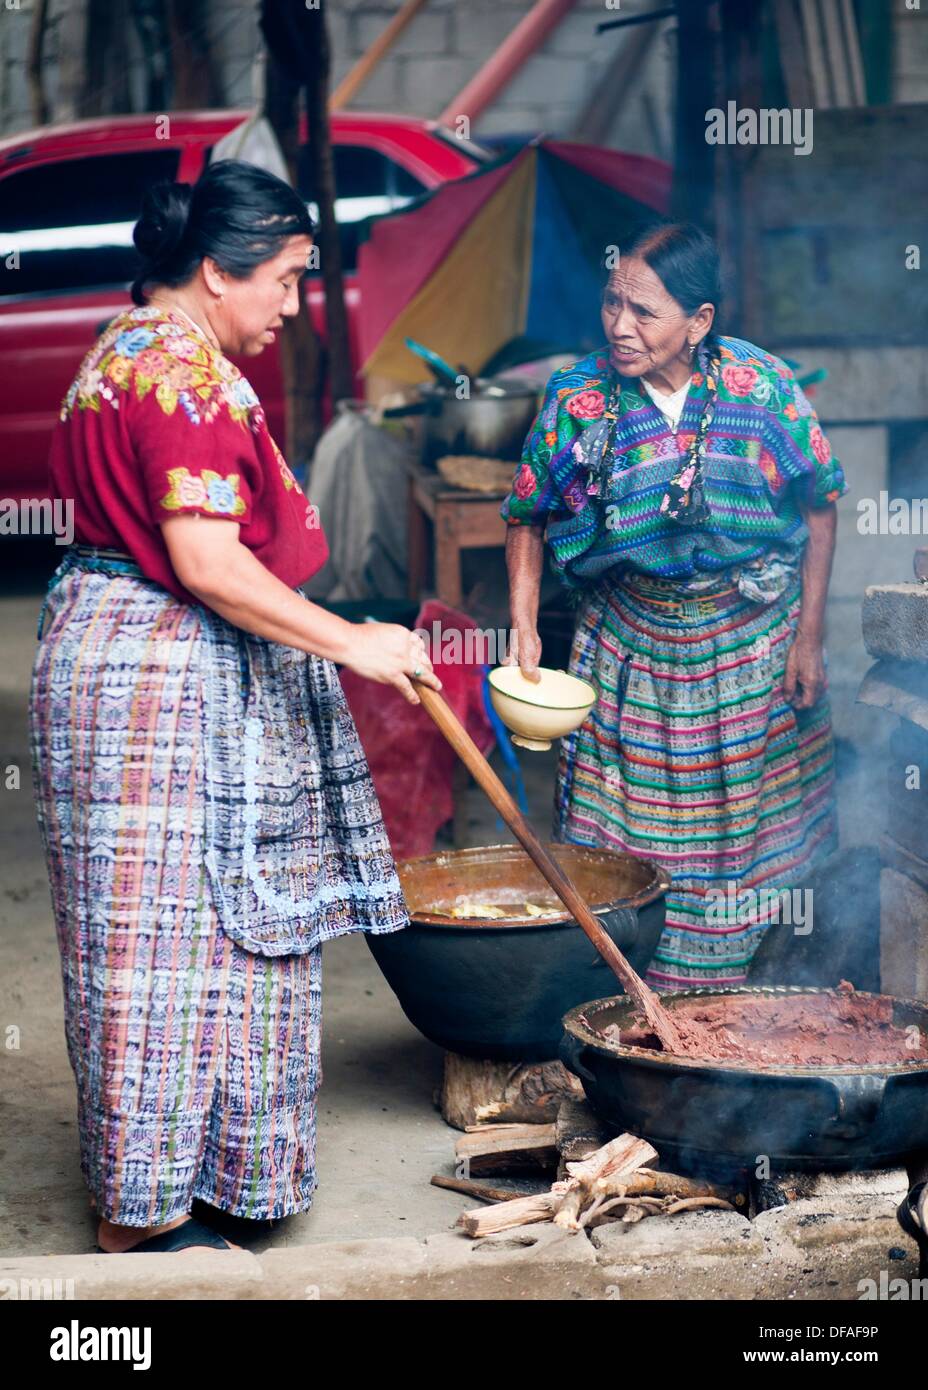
{"x":688,"y":494}
{"x":208,"y":815}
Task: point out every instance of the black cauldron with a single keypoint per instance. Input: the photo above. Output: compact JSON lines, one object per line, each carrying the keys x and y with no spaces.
{"x":498,"y":988}
{"x":709,"y":1117}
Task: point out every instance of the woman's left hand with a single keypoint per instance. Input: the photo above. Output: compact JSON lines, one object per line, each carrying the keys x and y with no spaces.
{"x":804,"y":678}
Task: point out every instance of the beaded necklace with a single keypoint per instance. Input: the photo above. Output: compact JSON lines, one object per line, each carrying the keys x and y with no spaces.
{"x":683,"y":502}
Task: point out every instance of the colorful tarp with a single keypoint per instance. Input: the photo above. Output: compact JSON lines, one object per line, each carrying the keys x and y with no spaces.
{"x":516,"y":249}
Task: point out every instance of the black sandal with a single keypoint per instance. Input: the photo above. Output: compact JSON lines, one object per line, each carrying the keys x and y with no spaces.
{"x":911,"y":1212}
{"x":180,"y":1237}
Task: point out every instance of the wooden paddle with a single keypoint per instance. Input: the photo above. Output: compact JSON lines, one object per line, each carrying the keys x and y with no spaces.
{"x":658,"y":1018}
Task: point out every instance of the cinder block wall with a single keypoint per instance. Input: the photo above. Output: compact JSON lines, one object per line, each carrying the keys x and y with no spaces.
{"x":443,"y":47}
{"x":441,"y":50}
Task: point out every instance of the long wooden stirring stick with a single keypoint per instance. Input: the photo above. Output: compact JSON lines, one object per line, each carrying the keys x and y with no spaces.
{"x":657,"y":1016}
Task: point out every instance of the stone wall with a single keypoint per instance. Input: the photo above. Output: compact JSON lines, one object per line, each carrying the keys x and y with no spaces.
{"x":867,"y":393}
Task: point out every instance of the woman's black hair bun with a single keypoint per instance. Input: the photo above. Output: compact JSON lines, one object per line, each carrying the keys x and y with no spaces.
{"x":237,"y":214}
{"x":160,"y":229}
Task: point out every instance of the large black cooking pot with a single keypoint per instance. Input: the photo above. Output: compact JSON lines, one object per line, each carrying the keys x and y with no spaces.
{"x":706,"y":1117}
{"x":498,"y":988}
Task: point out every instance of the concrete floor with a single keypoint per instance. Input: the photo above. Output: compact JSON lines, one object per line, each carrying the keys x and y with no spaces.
{"x":379,"y":1136}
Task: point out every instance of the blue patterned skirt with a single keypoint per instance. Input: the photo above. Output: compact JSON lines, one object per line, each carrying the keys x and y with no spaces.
{"x":208,"y":820}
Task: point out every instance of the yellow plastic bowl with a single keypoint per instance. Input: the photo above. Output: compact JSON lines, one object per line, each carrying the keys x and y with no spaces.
{"x":536,"y":712}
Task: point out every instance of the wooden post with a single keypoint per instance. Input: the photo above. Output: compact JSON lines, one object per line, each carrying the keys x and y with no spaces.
{"x":106,"y":74}
{"x":297,"y":42}
{"x":196,"y":80}
{"x":792,"y":54}
{"x":741,"y":49}
{"x":692,"y":194}
{"x":322,"y":176}
{"x":37,"y":98}
{"x":300,"y":349}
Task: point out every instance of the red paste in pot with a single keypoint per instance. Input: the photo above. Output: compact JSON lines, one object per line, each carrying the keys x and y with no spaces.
{"x":837,"y":1028}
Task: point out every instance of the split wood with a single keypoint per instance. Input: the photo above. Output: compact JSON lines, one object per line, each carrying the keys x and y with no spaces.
{"x":502,"y":1148}
{"x":475,"y":1090}
{"x":598,"y":1188}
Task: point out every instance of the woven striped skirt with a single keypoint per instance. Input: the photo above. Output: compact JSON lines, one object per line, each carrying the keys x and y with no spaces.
{"x":208,"y":820}
{"x":693,"y":758}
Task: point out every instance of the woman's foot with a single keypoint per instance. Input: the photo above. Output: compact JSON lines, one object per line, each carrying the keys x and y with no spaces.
{"x":118,"y":1240}
{"x":912,"y":1215}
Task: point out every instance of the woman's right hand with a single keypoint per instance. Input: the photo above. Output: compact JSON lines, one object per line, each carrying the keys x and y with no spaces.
{"x":525,"y":651}
{"x":389,"y":654}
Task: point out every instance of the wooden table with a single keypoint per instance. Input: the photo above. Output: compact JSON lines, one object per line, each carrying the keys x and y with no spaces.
{"x":460,"y":520}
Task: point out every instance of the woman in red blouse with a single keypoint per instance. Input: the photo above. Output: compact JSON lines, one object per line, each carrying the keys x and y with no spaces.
{"x":206,"y":808}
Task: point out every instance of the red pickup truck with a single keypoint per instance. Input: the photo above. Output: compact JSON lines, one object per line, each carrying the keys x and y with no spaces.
{"x":69,"y":196}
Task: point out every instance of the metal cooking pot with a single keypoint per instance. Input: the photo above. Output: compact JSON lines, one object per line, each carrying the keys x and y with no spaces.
{"x":492,"y":422}
{"x":498,"y":988}
{"x":709,"y":1117}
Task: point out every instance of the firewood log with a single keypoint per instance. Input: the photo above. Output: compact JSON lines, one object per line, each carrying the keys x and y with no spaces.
{"x":512,"y":1148}
{"x":691,"y":1203}
{"x":480,"y":1191}
{"x":616,"y":1160}
{"x":606,"y":1185}
{"x":474,"y":1090}
{"x":568,"y":1213}
{"x":521,"y":1211}
{"x":649,"y":1180}
{"x":601,"y":1174}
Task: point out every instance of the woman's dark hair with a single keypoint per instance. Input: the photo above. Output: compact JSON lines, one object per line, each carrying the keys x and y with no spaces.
{"x":685,"y":260}
{"x":236,"y":213}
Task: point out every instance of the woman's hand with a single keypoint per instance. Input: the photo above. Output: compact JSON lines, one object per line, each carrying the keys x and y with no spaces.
{"x":390,"y":654}
{"x":525,"y":651}
{"x":804,"y":678}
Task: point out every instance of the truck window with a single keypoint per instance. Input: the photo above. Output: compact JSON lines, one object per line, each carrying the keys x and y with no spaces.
{"x":70,"y":221}
{"x":367,"y":183}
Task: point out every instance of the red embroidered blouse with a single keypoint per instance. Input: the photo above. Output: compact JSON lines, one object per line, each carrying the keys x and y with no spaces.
{"x":158,"y":422}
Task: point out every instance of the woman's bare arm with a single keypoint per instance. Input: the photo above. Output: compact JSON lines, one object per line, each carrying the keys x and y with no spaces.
{"x":525,"y":550}
{"x":210,"y":560}
{"x":816,"y":568}
{"x":805,"y":665}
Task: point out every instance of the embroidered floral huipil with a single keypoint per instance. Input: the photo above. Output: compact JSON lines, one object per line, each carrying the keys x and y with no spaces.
{"x":765,"y":454}
{"x":158,"y":423}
